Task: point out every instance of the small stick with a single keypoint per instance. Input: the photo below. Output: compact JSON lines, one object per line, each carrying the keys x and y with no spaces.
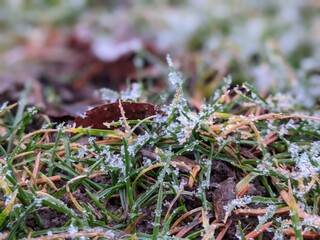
{"x":305,"y":234}
{"x":258,"y":212}
{"x":255,"y":233}
{"x":42,"y":181}
{"x":224,"y":230}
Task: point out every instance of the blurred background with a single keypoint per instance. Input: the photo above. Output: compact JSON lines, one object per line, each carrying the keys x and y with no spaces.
{"x":66,"y":50}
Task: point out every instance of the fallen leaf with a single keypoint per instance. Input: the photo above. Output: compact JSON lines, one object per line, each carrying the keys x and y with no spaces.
{"x":224,"y":193}
{"x":110,"y":112}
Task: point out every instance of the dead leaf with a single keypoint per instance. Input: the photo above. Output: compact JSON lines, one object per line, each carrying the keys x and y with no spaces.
{"x":224,"y":193}
{"x":110,"y":112}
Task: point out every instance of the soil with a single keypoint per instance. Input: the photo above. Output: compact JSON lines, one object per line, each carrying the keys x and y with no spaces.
{"x":222,"y":191}
{"x":50,"y":217}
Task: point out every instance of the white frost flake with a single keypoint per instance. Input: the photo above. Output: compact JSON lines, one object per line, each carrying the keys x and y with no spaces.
{"x":109,"y":95}
{"x":72,"y":229}
{"x":31,"y":110}
{"x":133,"y":93}
{"x":3,"y":106}
{"x":307,"y":159}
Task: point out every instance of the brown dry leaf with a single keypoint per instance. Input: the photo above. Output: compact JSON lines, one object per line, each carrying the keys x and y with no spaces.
{"x":109,"y":112}
{"x":224,"y":193}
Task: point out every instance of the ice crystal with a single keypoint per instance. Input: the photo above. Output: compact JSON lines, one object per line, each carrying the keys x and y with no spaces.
{"x":82,"y":151}
{"x":175,"y":78}
{"x":147,"y":162}
{"x":166,"y":203}
{"x":176,"y":171}
{"x":307,"y":159}
{"x":17,"y":206}
{"x":31,"y":110}
{"x":3,"y":106}
{"x":38,"y":202}
{"x":266,"y":164}
{"x":132,"y":93}
{"x":155,"y":224}
{"x":226,"y":83}
{"x":205,"y":184}
{"x":139,"y":142}
{"x":269,"y":214}
{"x":8,"y":199}
{"x":278,"y":234}
{"x":138,"y":62}
{"x":61,"y":127}
{"x":187,"y":126}
{"x":109,"y":95}
{"x":157,"y":212}
{"x":91,"y":140}
{"x":72,"y":229}
{"x":207,"y":110}
{"x":160,"y":118}
{"x":111,"y":160}
{"x":169,"y":61}
{"x":235,"y":203}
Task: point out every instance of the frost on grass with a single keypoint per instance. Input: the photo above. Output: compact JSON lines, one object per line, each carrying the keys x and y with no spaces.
{"x":237,"y":203}
{"x":31,"y":110}
{"x":307,"y":159}
{"x":264,"y":218}
{"x":38,"y":201}
{"x":3,"y":106}
{"x":139,"y":142}
{"x":227,"y":81}
{"x":207,"y":111}
{"x":266,"y":165}
{"x":72,"y":229}
{"x":111,"y":161}
{"x":108,"y":95}
{"x":188,"y":125}
{"x":180,"y":121}
{"x":82,"y":152}
{"x":134,"y":92}
{"x":91,"y":140}
{"x":175,"y":78}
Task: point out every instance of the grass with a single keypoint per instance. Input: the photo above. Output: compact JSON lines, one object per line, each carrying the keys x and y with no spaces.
{"x":153,"y":178}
